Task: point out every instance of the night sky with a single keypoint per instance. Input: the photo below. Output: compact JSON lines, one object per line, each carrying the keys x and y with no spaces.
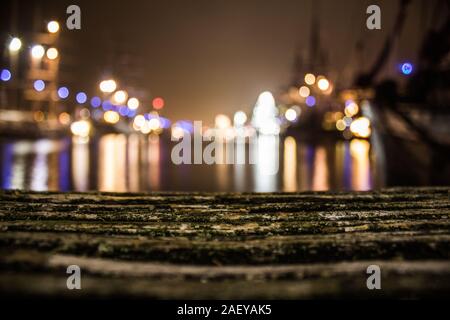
{"x":215,"y":56}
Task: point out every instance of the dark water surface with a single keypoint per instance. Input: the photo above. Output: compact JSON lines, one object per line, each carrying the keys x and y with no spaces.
{"x":116,"y":162}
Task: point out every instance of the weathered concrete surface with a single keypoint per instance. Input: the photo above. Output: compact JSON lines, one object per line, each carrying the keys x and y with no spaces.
{"x":202,"y":245}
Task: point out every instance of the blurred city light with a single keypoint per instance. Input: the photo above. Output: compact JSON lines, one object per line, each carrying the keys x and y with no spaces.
{"x":52,"y":53}
{"x":139,"y":121}
{"x":64,"y":118}
{"x":85,"y":113}
{"x":53,"y":27}
{"x":304,"y":91}
{"x":37,"y":52}
{"x":154,"y":124}
{"x":158,"y":103}
{"x":15,"y":44}
{"x":81,"y":97}
{"x":290,"y":115}
{"x":39,"y":85}
{"x":351,"y":109}
{"x":111,"y":117}
{"x":406,"y":68}
{"x":165,"y":123}
{"x":310,"y":79}
{"x":38,"y":116}
{"x":361,"y":127}
{"x":5,"y":75}
{"x":120,"y":97}
{"x":133,"y":103}
{"x":310,"y":101}
{"x":108,"y":86}
{"x":107,"y":105}
{"x":340,"y":125}
{"x":96,"y":102}
{"x":239,"y":118}
{"x":81,"y":128}
{"x":323,"y":84}
{"x":265,"y":115}
{"x":222,"y":121}
{"x":63,"y":92}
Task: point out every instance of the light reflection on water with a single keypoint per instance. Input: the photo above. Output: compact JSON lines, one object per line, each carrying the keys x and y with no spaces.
{"x":119,"y":163}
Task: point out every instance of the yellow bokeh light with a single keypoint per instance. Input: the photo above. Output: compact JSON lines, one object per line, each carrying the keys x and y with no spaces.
{"x":53,"y":27}
{"x":111,"y":117}
{"x":323,"y":84}
{"x":340,"y":125}
{"x":37,"y":52}
{"x":64,"y":118}
{"x":304,"y":91}
{"x":361,"y":127}
{"x":108,"y":86}
{"x":290,"y":114}
{"x":15,"y":44}
{"x":139,"y":121}
{"x":222,"y":121}
{"x":133,"y":103}
{"x":351,"y":109}
{"x":120,"y":97}
{"x":154,"y":123}
{"x":52,"y":53}
{"x":81,"y":128}
{"x":310,"y":79}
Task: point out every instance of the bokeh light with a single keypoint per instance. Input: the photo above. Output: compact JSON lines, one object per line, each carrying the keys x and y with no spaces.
{"x":290,"y":115}
{"x":222,"y":121}
{"x":37,"y":52}
{"x":361,"y":127}
{"x":111,"y":117}
{"x":310,"y":101}
{"x":120,"y":97}
{"x":81,"y":128}
{"x":81,"y":97}
{"x":53,"y":27}
{"x":96,"y":102}
{"x":64,"y":118}
{"x":63,"y":92}
{"x":304,"y":91}
{"x":407,"y":68}
{"x":15,"y":44}
{"x":158,"y":103}
{"x":239,"y":118}
{"x":133,"y":103}
{"x":39,"y":85}
{"x":108,"y":86}
{"x":310,"y":79}
{"x":52,"y":53}
{"x":5,"y":75}
{"x":323,"y":84}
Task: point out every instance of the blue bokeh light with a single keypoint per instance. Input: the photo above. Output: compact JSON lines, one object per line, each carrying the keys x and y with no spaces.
{"x":5,"y":75}
{"x":39,"y":85}
{"x":96,"y":102}
{"x":81,"y":97}
{"x":310,"y":101}
{"x":107,"y":105}
{"x":165,"y":123}
{"x":123,"y":110}
{"x":131,"y":113}
{"x":407,"y":68}
{"x":63,"y":92}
